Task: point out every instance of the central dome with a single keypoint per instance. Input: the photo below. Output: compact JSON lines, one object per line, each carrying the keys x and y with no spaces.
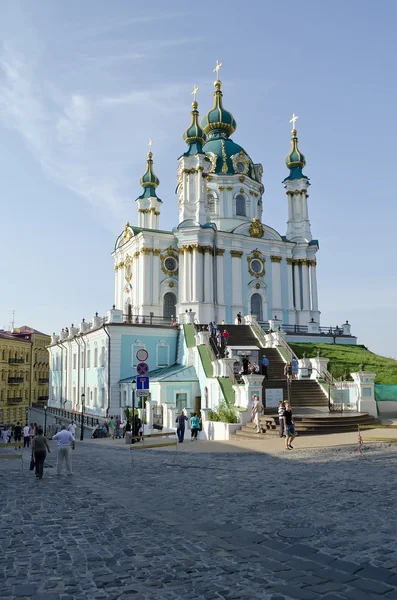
{"x":219,"y":120}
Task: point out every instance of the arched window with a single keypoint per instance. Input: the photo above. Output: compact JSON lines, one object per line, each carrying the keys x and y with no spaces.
{"x":256,"y":306}
{"x":240,"y":206}
{"x":211,"y":203}
{"x":169,"y":305}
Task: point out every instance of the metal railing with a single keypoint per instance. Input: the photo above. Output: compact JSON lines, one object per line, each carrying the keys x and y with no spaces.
{"x":150,"y":319}
{"x":15,"y":380}
{"x":13,"y":361}
{"x":71,"y":415}
{"x":44,"y":380}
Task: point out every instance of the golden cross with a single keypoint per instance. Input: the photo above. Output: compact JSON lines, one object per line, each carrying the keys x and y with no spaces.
{"x":150,"y":144}
{"x":294,"y":117}
{"x":217,"y":67}
{"x":194,"y":92}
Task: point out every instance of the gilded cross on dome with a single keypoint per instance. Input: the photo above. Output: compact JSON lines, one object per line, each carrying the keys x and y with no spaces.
{"x":194,"y":92}
{"x":217,"y":67}
{"x":150,"y":144}
{"x":293,"y":120}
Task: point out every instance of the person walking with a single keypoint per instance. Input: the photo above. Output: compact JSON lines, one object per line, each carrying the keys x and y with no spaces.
{"x":117,"y":428}
{"x":214,"y":329}
{"x":288,"y":371}
{"x":72,"y":428}
{"x":180,"y":430}
{"x":256,"y":411}
{"x":194,"y":427}
{"x":66,"y":443}
{"x":111,"y":427}
{"x":281,"y":417}
{"x":4,"y":435}
{"x":17,"y":434}
{"x":225,"y":336}
{"x":219,"y":339}
{"x":294,"y":368}
{"x":265,"y":365}
{"x":32,"y":432}
{"x":26,"y":436}
{"x":290,"y":434}
{"x":245,"y":365}
{"x":210,"y":328}
{"x":40,"y":448}
{"x":127,"y":428}
{"x":58,"y":427}
{"x":239,"y":318}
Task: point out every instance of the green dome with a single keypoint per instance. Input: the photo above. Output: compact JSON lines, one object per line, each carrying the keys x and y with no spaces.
{"x":218,"y":119}
{"x":149,"y":181}
{"x":228,"y":158}
{"x":194,"y":135}
{"x":295,"y":158}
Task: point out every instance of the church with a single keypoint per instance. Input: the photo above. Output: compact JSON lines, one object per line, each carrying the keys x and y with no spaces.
{"x":218,"y":261}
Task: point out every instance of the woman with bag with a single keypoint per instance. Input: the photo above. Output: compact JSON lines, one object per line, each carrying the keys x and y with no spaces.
{"x":39,"y":446}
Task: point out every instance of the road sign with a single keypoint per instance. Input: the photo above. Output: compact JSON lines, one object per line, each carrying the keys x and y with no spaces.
{"x":142,"y":355}
{"x":140,"y":393}
{"x":142,"y":383}
{"x":142,"y":368}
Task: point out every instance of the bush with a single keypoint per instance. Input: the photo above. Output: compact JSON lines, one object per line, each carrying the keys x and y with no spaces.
{"x":224,"y":414}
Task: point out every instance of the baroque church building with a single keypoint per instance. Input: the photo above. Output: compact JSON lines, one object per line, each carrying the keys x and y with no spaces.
{"x":220,"y":259}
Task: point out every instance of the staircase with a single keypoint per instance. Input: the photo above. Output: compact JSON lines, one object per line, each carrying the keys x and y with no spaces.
{"x":240,"y":335}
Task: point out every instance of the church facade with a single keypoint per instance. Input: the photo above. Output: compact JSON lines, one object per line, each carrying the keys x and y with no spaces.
{"x":220,"y":259}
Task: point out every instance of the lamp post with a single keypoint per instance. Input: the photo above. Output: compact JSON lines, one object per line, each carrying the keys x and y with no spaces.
{"x":45,"y":418}
{"x":82,"y":418}
{"x":133,"y":386}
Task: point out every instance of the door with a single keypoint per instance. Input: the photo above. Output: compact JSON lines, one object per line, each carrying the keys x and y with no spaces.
{"x":169,"y":305}
{"x":256,"y":306}
{"x":157,"y":416}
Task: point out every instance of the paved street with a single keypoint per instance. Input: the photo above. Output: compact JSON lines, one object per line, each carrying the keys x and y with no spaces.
{"x":307,"y":524}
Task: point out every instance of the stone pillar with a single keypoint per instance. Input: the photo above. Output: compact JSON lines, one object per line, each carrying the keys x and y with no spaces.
{"x":252,"y":386}
{"x":297,"y":287}
{"x":237,"y":292}
{"x":181,"y":277}
{"x":319,"y":366}
{"x":313,"y":277}
{"x":313,"y":327}
{"x":346,"y":328}
{"x":305,"y":285}
{"x":220,"y":278}
{"x":276,"y":283}
{"x":365,"y":392}
{"x":185,"y":281}
{"x":208,"y":276}
{"x":149,"y":414}
{"x":276,"y":323}
{"x":156,"y":277}
{"x":197,"y":274}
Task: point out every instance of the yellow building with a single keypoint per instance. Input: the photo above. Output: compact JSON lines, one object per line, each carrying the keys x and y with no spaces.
{"x":24,"y":372}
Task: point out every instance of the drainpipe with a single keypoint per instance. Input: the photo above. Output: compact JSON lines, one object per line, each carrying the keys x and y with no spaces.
{"x":107,"y":333}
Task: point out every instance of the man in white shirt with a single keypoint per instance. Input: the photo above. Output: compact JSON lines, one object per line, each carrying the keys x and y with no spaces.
{"x":65,"y":441}
{"x":26,"y":436}
{"x":72,"y":428}
{"x":256,"y":411}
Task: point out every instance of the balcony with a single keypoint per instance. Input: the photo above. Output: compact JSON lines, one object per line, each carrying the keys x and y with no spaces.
{"x":15,"y":361}
{"x":15,"y":380}
{"x":44,"y":380}
{"x":43,"y":399}
{"x":14,"y":400}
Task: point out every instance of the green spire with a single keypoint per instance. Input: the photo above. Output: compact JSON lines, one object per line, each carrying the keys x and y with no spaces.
{"x":194,"y":135}
{"x":218,"y":122}
{"x":295,"y":160}
{"x":149,"y":181}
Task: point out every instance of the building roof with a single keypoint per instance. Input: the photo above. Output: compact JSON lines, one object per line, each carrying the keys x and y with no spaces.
{"x":173,"y":373}
{"x":28,"y":330}
{"x":6,"y":335}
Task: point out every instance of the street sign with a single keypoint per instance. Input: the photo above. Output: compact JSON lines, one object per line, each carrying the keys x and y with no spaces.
{"x":140,"y":393}
{"x":142,"y":355}
{"x":142,"y":383}
{"x":142,"y":368}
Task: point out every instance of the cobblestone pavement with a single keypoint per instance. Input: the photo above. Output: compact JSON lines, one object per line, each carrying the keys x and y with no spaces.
{"x":305,"y":525}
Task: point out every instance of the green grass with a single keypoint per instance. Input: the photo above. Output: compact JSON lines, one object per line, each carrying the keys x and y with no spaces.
{"x":189,"y":336}
{"x":347,"y":359}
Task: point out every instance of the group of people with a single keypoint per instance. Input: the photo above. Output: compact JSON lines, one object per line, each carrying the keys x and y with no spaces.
{"x":291,"y":369}
{"x":17,"y":432}
{"x":287,"y":427}
{"x":40,"y":447}
{"x":181,"y":423}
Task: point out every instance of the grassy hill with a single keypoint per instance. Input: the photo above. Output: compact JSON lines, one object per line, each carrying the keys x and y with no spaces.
{"x":347,"y":359}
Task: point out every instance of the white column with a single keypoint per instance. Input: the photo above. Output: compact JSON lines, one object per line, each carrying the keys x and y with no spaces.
{"x":189,"y":259}
{"x":134,"y":283}
{"x":186,"y":275}
{"x":197,"y":273}
{"x":297,"y":287}
{"x":237,"y":292}
{"x":156,"y":278}
{"x":276,"y":283}
{"x":141,"y":279}
{"x":208,"y":278}
{"x":290,"y":217}
{"x":181,"y":276}
{"x":305,"y":285}
{"x":290,"y":284}
{"x":313,"y":276}
{"x":219,"y":276}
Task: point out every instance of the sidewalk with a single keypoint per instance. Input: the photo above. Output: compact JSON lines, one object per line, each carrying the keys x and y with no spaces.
{"x":268,"y":446}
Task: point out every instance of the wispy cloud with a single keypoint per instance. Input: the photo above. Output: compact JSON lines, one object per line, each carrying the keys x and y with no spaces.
{"x":124,"y":24}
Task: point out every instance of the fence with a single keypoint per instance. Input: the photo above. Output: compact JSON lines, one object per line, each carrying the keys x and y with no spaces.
{"x":70,"y":415}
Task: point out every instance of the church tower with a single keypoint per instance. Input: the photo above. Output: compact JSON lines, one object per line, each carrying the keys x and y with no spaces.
{"x":148,"y":203}
{"x":297,"y":185}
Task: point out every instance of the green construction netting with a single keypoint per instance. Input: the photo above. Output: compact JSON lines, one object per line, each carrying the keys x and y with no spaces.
{"x":385,"y":392}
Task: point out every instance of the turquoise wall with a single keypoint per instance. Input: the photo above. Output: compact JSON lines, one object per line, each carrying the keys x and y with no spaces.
{"x":150,"y":343}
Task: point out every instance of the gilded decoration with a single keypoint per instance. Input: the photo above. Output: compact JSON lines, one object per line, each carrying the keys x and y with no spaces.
{"x":252,"y":260}
{"x":219,"y":252}
{"x":121,"y":265}
{"x":240,"y":163}
{"x":156,"y":252}
{"x":236,"y":253}
{"x":224,"y":158}
{"x":241,"y":179}
{"x":221,"y":188}
{"x":171,"y":284}
{"x":212,"y":158}
{"x":168,"y":253}
{"x":256,"y":228}
{"x":146,"y":251}
{"x":128,"y":260}
{"x":136,"y":254}
{"x":276,"y":259}
{"x":257,"y":285}
{"x":289,"y":261}
{"x":144,"y":211}
{"x":127,"y":233}
{"x":229,"y":188}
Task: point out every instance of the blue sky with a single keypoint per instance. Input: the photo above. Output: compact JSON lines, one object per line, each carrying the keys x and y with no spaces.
{"x":83,"y":85}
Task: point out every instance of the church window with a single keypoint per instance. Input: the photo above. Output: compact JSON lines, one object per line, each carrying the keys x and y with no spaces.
{"x":170,"y":264}
{"x":169,"y":305}
{"x":163,"y":352}
{"x":95,"y":397}
{"x":240,"y":206}
{"x":74,"y":360}
{"x":181,"y":402}
{"x":103,"y":393}
{"x":88,"y":359}
{"x":240,"y":165}
{"x":256,"y":265}
{"x":103,"y":356}
{"x":96,"y":357}
{"x":256,"y":306}
{"x":211,"y":203}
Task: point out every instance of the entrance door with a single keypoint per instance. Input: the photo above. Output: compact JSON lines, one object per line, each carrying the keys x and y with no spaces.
{"x":256,"y":306}
{"x":169,"y":305}
{"x":180,"y":401}
{"x":157,"y":416}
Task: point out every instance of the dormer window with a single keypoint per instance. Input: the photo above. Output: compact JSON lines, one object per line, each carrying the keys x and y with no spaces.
{"x":240,"y":206}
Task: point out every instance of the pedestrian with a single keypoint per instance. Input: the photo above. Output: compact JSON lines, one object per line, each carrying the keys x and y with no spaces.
{"x":117,"y":428}
{"x":265,"y":364}
{"x":239,"y":318}
{"x":111,"y":427}
{"x":105,"y":429}
{"x":26,"y":437}
{"x":290,"y":433}
{"x":255,"y":369}
{"x":281,"y":417}
{"x":4,"y":435}
{"x":288,"y":371}
{"x":294,"y":368}
{"x":245,"y":365}
{"x":256,"y":411}
{"x":18,"y":434}
{"x":32,"y":432}
{"x":58,"y":427}
{"x":127,"y":428}
{"x":210,"y":328}
{"x":219,"y":339}
{"x":40,"y":448}
{"x":214,"y":329}
{"x":35,"y":428}
{"x":72,"y":428}
{"x":225,"y":336}
{"x":194,"y":426}
{"x":66,"y":444}
{"x":180,"y":430}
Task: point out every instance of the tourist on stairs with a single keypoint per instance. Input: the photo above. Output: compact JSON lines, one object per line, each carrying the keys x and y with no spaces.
{"x":265,"y":364}
{"x":281,"y":417}
{"x":256,"y":411}
{"x":290,"y":427}
{"x":239,"y":318}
